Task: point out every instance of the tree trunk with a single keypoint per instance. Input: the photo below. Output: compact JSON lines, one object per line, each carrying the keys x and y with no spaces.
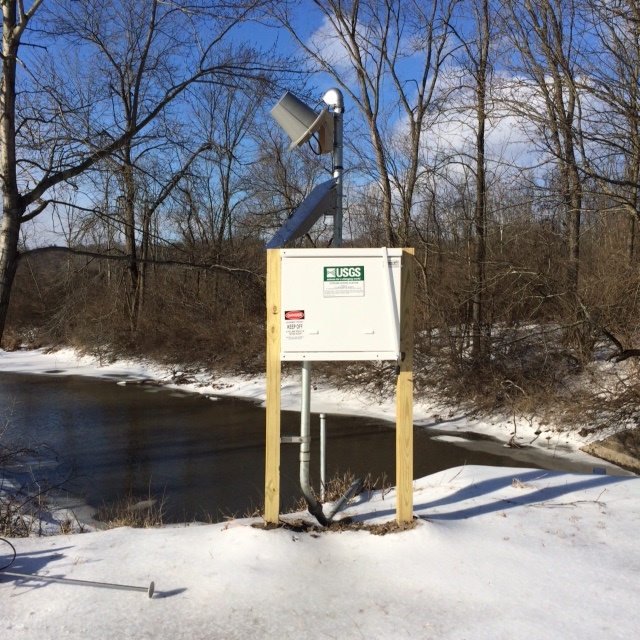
{"x":574,"y":215}
{"x":479,"y":342}
{"x":130,"y":240}
{"x":144,"y":255}
{"x":9,"y":257}
{"x":12,"y":207}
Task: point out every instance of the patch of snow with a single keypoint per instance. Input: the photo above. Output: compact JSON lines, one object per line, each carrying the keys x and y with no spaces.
{"x":456,"y":439}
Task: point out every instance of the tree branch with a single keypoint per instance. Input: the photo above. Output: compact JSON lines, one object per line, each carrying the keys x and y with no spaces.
{"x":163,"y":263}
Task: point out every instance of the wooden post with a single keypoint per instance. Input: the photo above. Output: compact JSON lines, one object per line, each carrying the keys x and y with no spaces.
{"x":272,"y":457}
{"x":404,"y":396}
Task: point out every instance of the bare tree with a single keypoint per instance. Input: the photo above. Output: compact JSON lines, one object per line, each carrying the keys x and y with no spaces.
{"x":209,"y":210}
{"x":546,"y":41}
{"x":280,"y":181}
{"x":386,"y":55}
{"x":610,"y":78}
{"x":57,"y":122}
{"x":477,"y":37}
{"x":222,"y":179}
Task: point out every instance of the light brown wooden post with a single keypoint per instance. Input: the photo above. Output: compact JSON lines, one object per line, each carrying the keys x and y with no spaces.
{"x":272,"y":457}
{"x":404,"y":396}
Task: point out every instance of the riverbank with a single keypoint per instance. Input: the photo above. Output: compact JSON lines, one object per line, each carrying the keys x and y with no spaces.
{"x":495,"y":553}
{"x":527,"y":438}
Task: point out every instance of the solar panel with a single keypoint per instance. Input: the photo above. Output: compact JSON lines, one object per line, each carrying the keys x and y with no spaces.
{"x":321,"y":201}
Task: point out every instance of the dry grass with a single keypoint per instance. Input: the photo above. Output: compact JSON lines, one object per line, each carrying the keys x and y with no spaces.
{"x":346,"y":524}
{"x":337,"y":486}
{"x":132,"y":511}
{"x":340,"y":483}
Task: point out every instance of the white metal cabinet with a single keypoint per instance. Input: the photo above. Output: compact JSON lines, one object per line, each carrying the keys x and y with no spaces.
{"x":340,"y":304}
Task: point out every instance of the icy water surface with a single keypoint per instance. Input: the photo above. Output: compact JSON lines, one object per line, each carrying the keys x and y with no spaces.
{"x":204,"y":456}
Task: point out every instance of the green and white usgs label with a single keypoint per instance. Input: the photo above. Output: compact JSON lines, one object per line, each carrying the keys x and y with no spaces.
{"x":342,"y":282}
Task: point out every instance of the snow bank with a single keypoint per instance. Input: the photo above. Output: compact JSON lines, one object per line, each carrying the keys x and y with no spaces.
{"x":497,"y":553}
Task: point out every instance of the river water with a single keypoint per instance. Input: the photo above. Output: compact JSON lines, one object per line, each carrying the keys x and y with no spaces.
{"x":203,"y":456}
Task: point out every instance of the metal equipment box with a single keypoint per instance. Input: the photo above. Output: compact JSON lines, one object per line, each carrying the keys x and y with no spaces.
{"x":340,"y":304}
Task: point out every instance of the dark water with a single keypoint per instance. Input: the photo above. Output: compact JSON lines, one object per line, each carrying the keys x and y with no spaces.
{"x":205,"y":457}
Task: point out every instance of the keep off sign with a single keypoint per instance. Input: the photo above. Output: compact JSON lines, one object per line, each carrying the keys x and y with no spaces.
{"x":294,"y":326}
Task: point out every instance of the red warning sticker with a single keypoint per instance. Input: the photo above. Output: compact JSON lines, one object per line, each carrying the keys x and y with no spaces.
{"x":294,"y":315}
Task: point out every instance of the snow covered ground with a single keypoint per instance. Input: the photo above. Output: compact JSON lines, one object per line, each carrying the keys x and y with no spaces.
{"x":496,"y":553}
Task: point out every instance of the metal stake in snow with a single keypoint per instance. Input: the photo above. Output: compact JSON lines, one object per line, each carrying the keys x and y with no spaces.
{"x":87,"y":583}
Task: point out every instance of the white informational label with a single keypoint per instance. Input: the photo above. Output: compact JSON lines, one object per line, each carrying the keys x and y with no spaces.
{"x":343,"y":282}
{"x":294,"y":330}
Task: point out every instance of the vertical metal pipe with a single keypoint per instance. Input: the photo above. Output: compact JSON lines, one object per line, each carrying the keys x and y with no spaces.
{"x":338,"y":171}
{"x":323,"y":457}
{"x":315,"y":508}
{"x":335,"y":100}
{"x":305,"y":428}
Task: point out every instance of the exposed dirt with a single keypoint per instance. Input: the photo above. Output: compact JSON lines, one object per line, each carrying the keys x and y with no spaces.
{"x":622,"y":449}
{"x":305,"y":526}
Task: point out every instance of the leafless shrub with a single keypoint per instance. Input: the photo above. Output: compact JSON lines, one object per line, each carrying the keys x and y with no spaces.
{"x":25,"y":505}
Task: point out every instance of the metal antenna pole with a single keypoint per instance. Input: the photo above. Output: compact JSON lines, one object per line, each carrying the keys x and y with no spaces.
{"x":334,"y":99}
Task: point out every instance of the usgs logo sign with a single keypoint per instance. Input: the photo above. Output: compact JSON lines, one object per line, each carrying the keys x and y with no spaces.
{"x":342,"y":274}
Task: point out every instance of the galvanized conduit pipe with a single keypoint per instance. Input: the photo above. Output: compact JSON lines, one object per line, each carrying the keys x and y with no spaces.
{"x":323,"y":457}
{"x":315,"y":508}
